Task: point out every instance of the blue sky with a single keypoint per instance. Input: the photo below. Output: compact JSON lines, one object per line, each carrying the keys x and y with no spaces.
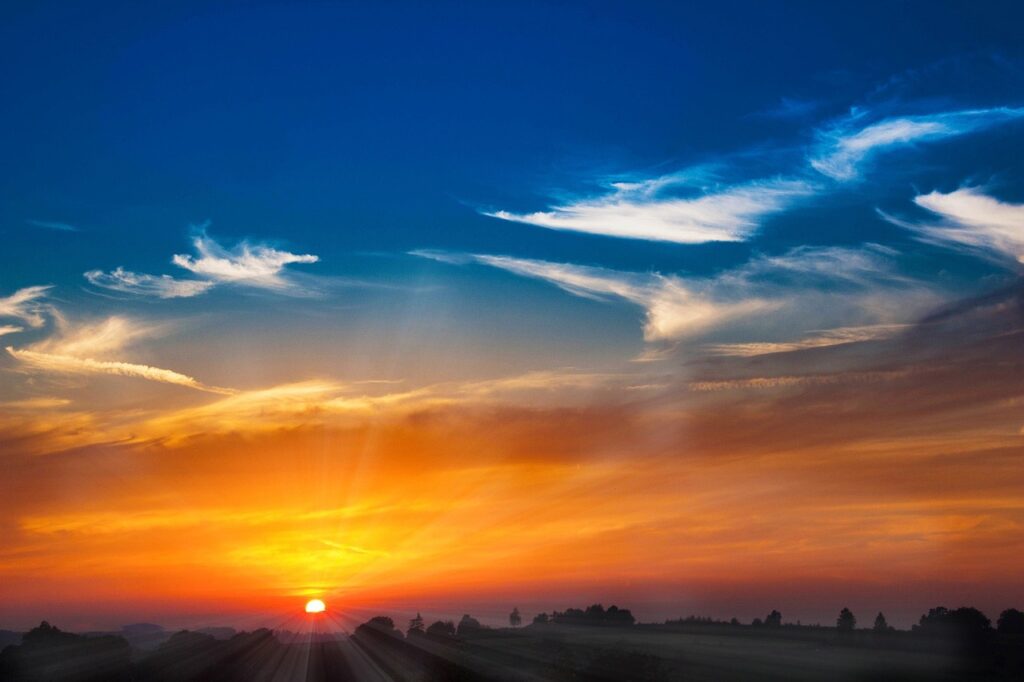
{"x":701,"y":148}
{"x":295,"y":212}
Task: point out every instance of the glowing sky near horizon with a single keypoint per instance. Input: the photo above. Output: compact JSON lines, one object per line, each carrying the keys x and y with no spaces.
{"x":469,"y":307}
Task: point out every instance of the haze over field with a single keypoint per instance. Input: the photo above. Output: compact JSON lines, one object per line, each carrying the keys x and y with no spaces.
{"x":457,"y":308}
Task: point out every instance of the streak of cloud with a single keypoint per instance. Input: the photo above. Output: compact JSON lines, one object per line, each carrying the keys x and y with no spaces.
{"x":161,"y":286}
{"x":24,"y":304}
{"x":972,"y":221}
{"x":677,"y":308}
{"x":68,"y":364}
{"x":86,"y":348}
{"x":823,"y":339}
{"x":673,"y":309}
{"x":843,"y":148}
{"x":245,"y":264}
{"x":248,"y":264}
{"x":643,"y":211}
{"x":53,"y":225}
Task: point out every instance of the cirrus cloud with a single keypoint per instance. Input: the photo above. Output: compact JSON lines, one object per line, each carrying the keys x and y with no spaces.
{"x":245,"y":264}
{"x":973,"y":221}
{"x":643,"y":211}
{"x":88,"y":349}
{"x":69,"y":364}
{"x":250,"y":264}
{"x":802,"y":287}
{"x":844,"y":147}
{"x":24,"y":304}
{"x":161,"y":286}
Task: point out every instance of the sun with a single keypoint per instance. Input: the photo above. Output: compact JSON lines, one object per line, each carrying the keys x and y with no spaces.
{"x":315,"y":606}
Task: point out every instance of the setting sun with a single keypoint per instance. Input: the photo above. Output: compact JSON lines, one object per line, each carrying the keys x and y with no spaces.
{"x":315,"y":606}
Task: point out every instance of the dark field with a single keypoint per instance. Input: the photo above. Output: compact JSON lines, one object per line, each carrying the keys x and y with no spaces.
{"x":536,"y":652}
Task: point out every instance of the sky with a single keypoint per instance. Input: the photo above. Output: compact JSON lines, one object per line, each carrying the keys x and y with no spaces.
{"x":694,"y":308}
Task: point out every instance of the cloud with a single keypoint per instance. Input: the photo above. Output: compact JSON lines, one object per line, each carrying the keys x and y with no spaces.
{"x":847,"y":144}
{"x":322,"y":402}
{"x":81,"y":349}
{"x":822,"y":339}
{"x":805,"y":289}
{"x":9,"y":329}
{"x":245,"y":264}
{"x":857,"y":266}
{"x":773,"y":382}
{"x":24,"y":305}
{"x":974,"y":222}
{"x":53,"y":225}
{"x":40,"y":403}
{"x":249,"y":264}
{"x":71,"y":365}
{"x":674,"y":308}
{"x":641,"y":210}
{"x":101,"y":338}
{"x":162,"y":286}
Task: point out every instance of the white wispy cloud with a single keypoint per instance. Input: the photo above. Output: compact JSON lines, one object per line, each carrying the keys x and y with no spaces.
{"x":100,"y":338}
{"x":161,"y":286}
{"x":847,"y":144}
{"x":674,"y":309}
{"x":820,"y":339}
{"x":255,"y":265}
{"x":244,"y":264}
{"x":51,"y":362}
{"x":53,"y":225}
{"x":802,"y":289}
{"x":87,"y":349}
{"x":24,"y":304}
{"x":972,"y":221}
{"x":642,"y":210}
{"x":9,"y":329}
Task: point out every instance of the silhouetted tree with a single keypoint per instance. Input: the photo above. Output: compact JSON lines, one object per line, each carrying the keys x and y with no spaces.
{"x":757,"y":622}
{"x":468,"y":626}
{"x":616,"y":616}
{"x":880,"y":623}
{"x":378,"y":627}
{"x":594,"y":614}
{"x":773,"y":619}
{"x":415,"y":626}
{"x":734,"y":621}
{"x":1011,"y":622}
{"x":442,"y":629}
{"x":846,"y":621}
{"x":540,"y":619}
{"x":965,"y":623}
{"x":514,"y":618}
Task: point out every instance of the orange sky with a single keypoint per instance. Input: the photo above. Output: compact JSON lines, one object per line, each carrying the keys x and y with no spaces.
{"x":738,"y":484}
